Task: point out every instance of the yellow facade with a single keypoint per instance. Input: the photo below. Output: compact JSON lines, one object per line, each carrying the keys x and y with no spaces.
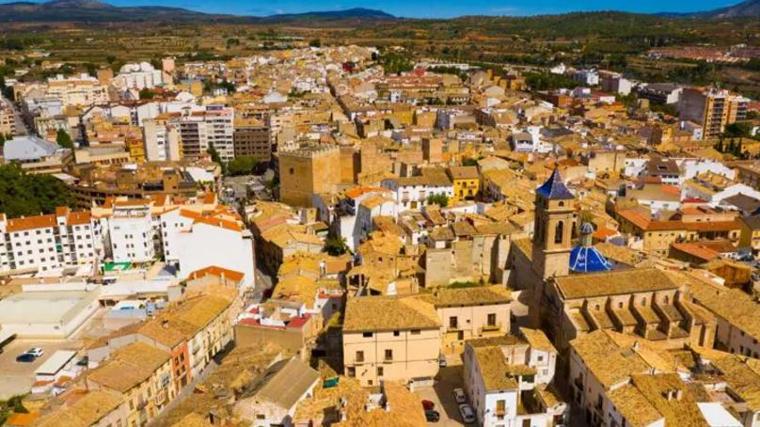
{"x":465,"y":189}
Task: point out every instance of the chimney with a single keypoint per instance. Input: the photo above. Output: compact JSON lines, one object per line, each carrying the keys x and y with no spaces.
{"x":635,"y":346}
{"x":679,"y":394}
{"x":165,"y":324}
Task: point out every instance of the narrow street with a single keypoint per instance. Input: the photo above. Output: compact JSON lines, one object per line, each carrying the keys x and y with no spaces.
{"x":21,"y":128}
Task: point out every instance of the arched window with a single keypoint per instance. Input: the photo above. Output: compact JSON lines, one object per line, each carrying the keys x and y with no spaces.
{"x":558,"y":232}
{"x":666,"y":300}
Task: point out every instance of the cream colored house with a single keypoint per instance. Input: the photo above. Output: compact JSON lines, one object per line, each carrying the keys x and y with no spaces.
{"x":387,"y":338}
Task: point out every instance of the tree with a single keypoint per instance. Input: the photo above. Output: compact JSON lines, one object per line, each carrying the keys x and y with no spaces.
{"x":2,"y":139}
{"x":242,"y":165}
{"x":335,"y":245}
{"x":216,"y":158}
{"x":440,"y":199}
{"x":315,"y":43}
{"x":63,"y":139}
{"x":22,"y":194}
{"x":146,"y":93}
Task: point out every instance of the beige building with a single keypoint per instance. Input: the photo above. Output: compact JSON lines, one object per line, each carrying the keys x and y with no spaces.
{"x":393,"y":339}
{"x":308,"y":171}
{"x":143,"y":374}
{"x":7,"y":121}
{"x":711,"y":108}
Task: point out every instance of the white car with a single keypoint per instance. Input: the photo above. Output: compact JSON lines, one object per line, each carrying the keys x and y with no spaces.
{"x":460,"y":396}
{"x":35,"y":351}
{"x":467,"y":413}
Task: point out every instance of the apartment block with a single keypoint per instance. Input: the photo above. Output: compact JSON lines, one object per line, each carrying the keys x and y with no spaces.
{"x":48,"y":242}
{"x":712,"y":108}
{"x":252,"y":138}
{"x":161,"y":141}
{"x":199,"y":131}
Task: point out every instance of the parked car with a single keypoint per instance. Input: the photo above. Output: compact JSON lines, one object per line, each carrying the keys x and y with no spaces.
{"x":467,"y":413}
{"x":25,"y":358}
{"x":460,"y":396}
{"x":35,"y":351}
{"x":432,"y":416}
{"x":428,"y":405}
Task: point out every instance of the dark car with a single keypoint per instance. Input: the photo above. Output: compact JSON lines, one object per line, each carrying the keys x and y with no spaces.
{"x":428,"y":405}
{"x":25,"y":358}
{"x":432,"y":416}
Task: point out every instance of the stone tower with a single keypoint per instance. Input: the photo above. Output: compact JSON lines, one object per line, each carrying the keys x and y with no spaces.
{"x":554,"y":223}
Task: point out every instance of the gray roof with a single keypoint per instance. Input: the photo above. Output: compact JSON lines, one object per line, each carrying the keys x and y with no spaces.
{"x":25,"y":148}
{"x":286,"y":382}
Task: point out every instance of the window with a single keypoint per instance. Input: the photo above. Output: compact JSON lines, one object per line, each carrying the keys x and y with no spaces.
{"x":491,"y":319}
{"x":351,"y":372}
{"x":558,"y":231}
{"x":388,"y":355}
{"x":415,"y":332}
{"x":453,"y":322}
{"x":360,"y":356}
{"x":379,"y":371}
{"x":367,"y":334}
{"x":396,"y":333}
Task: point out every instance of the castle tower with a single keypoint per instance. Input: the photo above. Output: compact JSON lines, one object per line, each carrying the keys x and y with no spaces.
{"x":554,"y":222}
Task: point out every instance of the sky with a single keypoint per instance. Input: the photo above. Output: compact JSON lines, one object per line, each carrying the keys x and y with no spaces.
{"x":433,"y":9}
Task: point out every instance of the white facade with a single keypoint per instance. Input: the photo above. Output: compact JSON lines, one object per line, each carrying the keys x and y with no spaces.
{"x":194,"y":244}
{"x":132,"y":234}
{"x":161,"y":142}
{"x":48,"y":242}
{"x":138,"y":76}
{"x":413,"y":196}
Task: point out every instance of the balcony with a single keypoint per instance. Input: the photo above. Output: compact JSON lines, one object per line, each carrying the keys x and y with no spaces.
{"x":491,"y":328}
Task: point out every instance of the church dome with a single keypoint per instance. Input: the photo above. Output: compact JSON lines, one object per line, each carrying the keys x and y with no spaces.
{"x":585,"y":258}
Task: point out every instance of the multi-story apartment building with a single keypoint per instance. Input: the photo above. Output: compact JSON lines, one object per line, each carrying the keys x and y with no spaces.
{"x":161,"y":141}
{"x":82,"y":91}
{"x":392,"y":339}
{"x":48,"y":242}
{"x":200,"y":131}
{"x":132,"y":234}
{"x":252,"y":138}
{"x":712,"y":108}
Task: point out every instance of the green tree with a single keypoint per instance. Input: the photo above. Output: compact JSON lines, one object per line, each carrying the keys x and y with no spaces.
{"x":23,"y":194}
{"x":146,"y":93}
{"x":335,"y":245}
{"x":216,"y":158}
{"x":440,"y":199}
{"x":63,"y":139}
{"x":242,"y":165}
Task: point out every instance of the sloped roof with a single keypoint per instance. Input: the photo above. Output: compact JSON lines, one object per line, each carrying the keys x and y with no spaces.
{"x":285,"y":382}
{"x":554,"y":188}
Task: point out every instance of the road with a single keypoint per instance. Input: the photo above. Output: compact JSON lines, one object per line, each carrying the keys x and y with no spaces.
{"x":20,"y":125}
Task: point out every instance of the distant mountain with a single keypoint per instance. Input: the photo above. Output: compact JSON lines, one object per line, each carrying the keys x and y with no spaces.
{"x":745,"y":9}
{"x":98,"y":11}
{"x":336,"y":15}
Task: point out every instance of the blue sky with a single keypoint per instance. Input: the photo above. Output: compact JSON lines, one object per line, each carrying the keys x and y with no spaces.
{"x":434,"y":9}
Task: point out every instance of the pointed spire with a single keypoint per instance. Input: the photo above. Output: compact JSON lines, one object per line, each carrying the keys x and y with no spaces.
{"x":554,"y":188}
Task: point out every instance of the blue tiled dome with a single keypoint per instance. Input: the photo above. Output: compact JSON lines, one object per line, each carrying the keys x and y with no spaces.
{"x":587,"y":259}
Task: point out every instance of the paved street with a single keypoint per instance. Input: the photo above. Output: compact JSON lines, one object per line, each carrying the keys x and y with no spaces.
{"x":441,"y":394}
{"x":20,"y":125}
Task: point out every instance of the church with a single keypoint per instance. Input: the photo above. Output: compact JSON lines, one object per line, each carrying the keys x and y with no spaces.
{"x":571,"y":289}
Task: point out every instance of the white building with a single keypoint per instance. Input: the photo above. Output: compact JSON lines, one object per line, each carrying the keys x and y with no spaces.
{"x":132,"y":234}
{"x":193,"y":241}
{"x":161,"y":141}
{"x":587,"y":77}
{"x":355,"y":211}
{"x":413,"y":192}
{"x":47,"y":314}
{"x":499,"y":373}
{"x":138,"y":76}
{"x":201,"y":130}
{"x":49,"y":242}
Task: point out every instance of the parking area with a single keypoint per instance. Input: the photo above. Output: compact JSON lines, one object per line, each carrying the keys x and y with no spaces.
{"x":16,"y":377}
{"x":441,"y":395}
